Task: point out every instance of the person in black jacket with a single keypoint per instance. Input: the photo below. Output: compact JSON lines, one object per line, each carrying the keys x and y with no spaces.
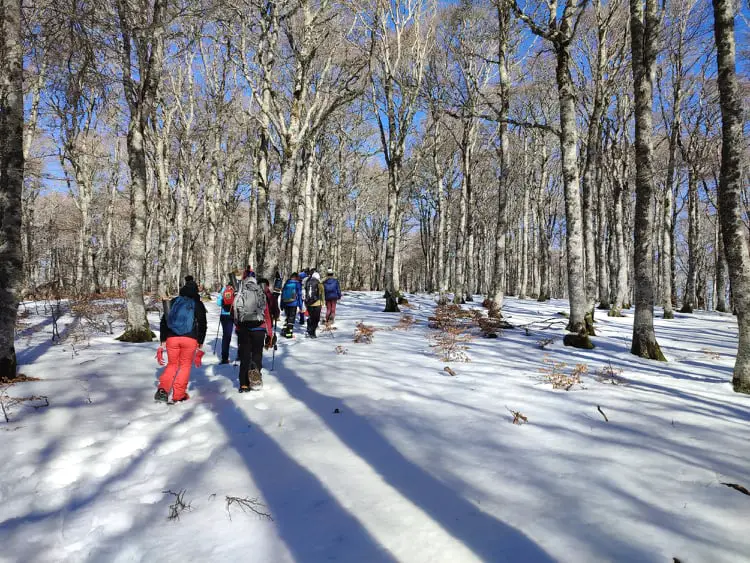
{"x":183,"y":330}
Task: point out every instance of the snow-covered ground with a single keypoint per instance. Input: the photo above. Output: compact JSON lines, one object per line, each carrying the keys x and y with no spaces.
{"x":415,"y":466}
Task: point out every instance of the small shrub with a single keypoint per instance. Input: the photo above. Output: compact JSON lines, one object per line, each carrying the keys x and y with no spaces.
{"x":518,"y":418}
{"x":179,"y":505}
{"x":555,"y":373}
{"x":363,"y":334}
{"x":405,"y":322}
{"x":609,"y":374}
{"x":451,"y":344}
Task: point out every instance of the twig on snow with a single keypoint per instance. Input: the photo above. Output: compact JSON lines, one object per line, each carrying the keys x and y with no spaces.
{"x":178,"y":505}
{"x":601,"y":411}
{"x":246,"y":504}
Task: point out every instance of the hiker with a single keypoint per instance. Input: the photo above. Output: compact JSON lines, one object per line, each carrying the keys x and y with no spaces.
{"x":291,"y":300}
{"x":225,"y":300}
{"x":314,"y":295}
{"x":252,"y":318}
{"x":333,"y":294}
{"x":183,"y":330}
{"x":273,"y":304}
{"x":248,"y":271}
{"x":303,"y":279}
{"x":278,"y":283}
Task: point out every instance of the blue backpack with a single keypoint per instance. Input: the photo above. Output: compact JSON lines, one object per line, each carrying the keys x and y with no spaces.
{"x":181,"y":316}
{"x":289,"y":293}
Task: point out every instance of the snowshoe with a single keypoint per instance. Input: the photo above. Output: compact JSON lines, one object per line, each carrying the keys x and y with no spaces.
{"x":161,"y":396}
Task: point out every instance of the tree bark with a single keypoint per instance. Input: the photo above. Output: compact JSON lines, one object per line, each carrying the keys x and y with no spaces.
{"x":644,"y":25}
{"x":730,"y":187}
{"x":11,"y":179}
{"x":497,"y":289}
{"x":573,"y":215}
{"x":721,"y":271}
{"x":141,"y":94}
{"x":689,"y":298}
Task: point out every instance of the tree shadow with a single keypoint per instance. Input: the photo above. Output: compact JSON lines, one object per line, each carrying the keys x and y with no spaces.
{"x":489,"y":538}
{"x":311,"y":522}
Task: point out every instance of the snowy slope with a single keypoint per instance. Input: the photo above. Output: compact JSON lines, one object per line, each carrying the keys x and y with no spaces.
{"x":416,"y":465}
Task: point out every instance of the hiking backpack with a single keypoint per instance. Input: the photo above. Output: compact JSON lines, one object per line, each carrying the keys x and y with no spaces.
{"x":277,"y":285}
{"x":312,"y":291}
{"x":250,"y":302}
{"x":181,"y":316}
{"x":227,"y":298}
{"x":289,"y":293}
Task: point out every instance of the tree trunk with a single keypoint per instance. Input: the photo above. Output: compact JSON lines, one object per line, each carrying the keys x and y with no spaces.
{"x":644,"y":28}
{"x":497,"y":289}
{"x":573,"y":215}
{"x":721,"y":273}
{"x":141,"y":93}
{"x":603,"y":241}
{"x":11,"y":179}
{"x":689,"y":299}
{"x":730,"y":187}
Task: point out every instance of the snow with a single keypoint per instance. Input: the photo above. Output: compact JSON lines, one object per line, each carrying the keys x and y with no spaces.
{"x":416,"y":466}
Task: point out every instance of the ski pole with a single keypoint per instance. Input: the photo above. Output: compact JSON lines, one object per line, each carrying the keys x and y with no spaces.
{"x":275,"y":347}
{"x":216,"y":339}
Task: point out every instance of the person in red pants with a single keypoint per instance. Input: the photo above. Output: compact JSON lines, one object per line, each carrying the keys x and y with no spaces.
{"x":183,"y":330}
{"x":333,"y":294}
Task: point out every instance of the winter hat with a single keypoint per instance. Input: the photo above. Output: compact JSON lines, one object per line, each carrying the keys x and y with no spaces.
{"x":316,"y":276}
{"x":330,"y":271}
{"x":190,"y":289}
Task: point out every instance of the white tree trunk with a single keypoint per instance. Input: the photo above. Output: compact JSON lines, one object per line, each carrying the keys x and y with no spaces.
{"x":730,"y":187}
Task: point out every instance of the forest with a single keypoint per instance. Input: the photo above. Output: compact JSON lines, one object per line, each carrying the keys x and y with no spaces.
{"x":582,"y":149}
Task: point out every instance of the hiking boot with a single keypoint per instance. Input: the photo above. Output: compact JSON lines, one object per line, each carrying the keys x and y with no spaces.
{"x":185,"y":398}
{"x":256,"y":379}
{"x":244,"y":389}
{"x":161,"y":395}
{"x":224,"y":362}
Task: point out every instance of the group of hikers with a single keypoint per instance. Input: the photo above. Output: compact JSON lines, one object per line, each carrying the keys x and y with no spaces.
{"x":249,"y":306}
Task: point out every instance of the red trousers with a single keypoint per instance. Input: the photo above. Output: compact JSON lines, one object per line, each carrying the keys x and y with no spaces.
{"x":330,"y":309}
{"x":180,"y":354}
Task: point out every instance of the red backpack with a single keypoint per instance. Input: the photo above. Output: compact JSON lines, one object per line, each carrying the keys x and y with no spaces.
{"x":227,"y":298}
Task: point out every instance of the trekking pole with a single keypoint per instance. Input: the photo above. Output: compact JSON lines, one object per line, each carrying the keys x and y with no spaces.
{"x":217,"y":334}
{"x":275,"y":346}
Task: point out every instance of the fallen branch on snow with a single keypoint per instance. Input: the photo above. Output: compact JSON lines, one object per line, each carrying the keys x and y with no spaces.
{"x":737,"y":487}
{"x":601,"y":411}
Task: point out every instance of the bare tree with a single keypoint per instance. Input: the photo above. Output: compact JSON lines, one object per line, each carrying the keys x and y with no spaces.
{"x":11,"y":178}
{"x":733,"y":228}
{"x":644,"y":27}
{"x":561,"y":22}
{"x":399,"y":39}
{"x":141,"y":37}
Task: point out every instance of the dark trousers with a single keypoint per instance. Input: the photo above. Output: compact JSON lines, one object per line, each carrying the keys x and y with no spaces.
{"x":290,"y":311}
{"x":251,"y":344}
{"x":227,"y":326}
{"x":314,"y":319}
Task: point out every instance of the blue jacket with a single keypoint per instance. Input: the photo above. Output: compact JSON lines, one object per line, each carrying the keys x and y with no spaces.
{"x":220,"y":302}
{"x":298,"y":302}
{"x":333,"y":290}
